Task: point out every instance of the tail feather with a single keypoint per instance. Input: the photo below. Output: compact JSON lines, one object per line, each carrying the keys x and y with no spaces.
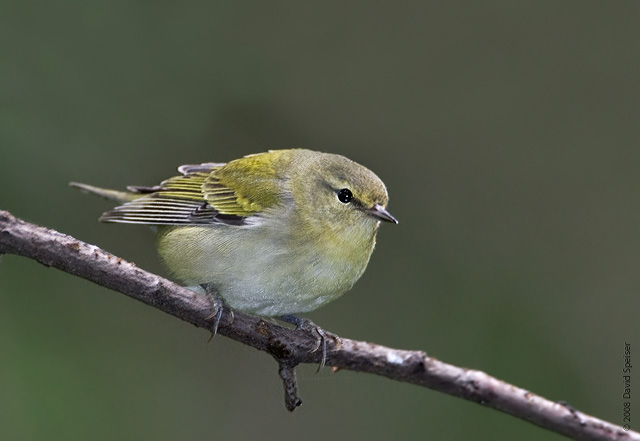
{"x":114,"y":195}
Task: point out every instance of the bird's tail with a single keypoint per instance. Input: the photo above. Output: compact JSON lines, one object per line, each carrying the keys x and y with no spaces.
{"x":114,"y":195}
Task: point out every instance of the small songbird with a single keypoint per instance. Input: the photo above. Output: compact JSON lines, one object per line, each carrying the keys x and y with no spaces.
{"x":274,"y":234}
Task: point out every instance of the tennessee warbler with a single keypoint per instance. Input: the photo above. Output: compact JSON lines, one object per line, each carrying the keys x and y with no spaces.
{"x":275,"y":233}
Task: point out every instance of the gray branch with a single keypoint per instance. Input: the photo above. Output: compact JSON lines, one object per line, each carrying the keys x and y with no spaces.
{"x":290,"y":347}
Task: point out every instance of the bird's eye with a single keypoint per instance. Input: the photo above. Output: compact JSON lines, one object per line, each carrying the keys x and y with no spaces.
{"x":345,"y":195}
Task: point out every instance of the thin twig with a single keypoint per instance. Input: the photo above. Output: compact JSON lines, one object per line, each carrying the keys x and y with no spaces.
{"x":287,"y":373}
{"x":290,"y":347}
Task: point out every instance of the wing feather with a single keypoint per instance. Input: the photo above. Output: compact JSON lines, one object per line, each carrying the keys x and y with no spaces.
{"x":206,"y":194}
{"x":176,"y":201}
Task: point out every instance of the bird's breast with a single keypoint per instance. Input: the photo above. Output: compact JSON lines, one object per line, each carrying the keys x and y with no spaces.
{"x":267,"y":271}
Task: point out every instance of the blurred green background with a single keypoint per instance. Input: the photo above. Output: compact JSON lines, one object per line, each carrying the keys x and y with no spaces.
{"x":506,"y":132}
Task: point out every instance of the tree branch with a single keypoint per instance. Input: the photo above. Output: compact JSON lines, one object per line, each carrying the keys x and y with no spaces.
{"x":290,"y":347}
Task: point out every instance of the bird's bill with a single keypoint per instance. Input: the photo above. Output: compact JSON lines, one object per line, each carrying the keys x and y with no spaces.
{"x":379,"y":212}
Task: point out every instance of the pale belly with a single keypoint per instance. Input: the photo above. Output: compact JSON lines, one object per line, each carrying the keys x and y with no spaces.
{"x":261,"y":273}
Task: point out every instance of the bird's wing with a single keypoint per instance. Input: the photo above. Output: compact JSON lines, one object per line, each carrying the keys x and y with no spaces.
{"x":204,"y":194}
{"x":246,"y":186}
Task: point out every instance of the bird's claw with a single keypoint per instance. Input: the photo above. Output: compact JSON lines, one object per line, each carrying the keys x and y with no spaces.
{"x":217,"y":310}
{"x":320,"y":335}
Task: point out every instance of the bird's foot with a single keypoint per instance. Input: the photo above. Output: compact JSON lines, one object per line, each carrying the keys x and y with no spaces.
{"x":219,"y":307}
{"x":320,"y":335}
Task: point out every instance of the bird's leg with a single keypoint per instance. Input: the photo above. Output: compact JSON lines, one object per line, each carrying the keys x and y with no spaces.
{"x":320,"y":334}
{"x":219,"y":305}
